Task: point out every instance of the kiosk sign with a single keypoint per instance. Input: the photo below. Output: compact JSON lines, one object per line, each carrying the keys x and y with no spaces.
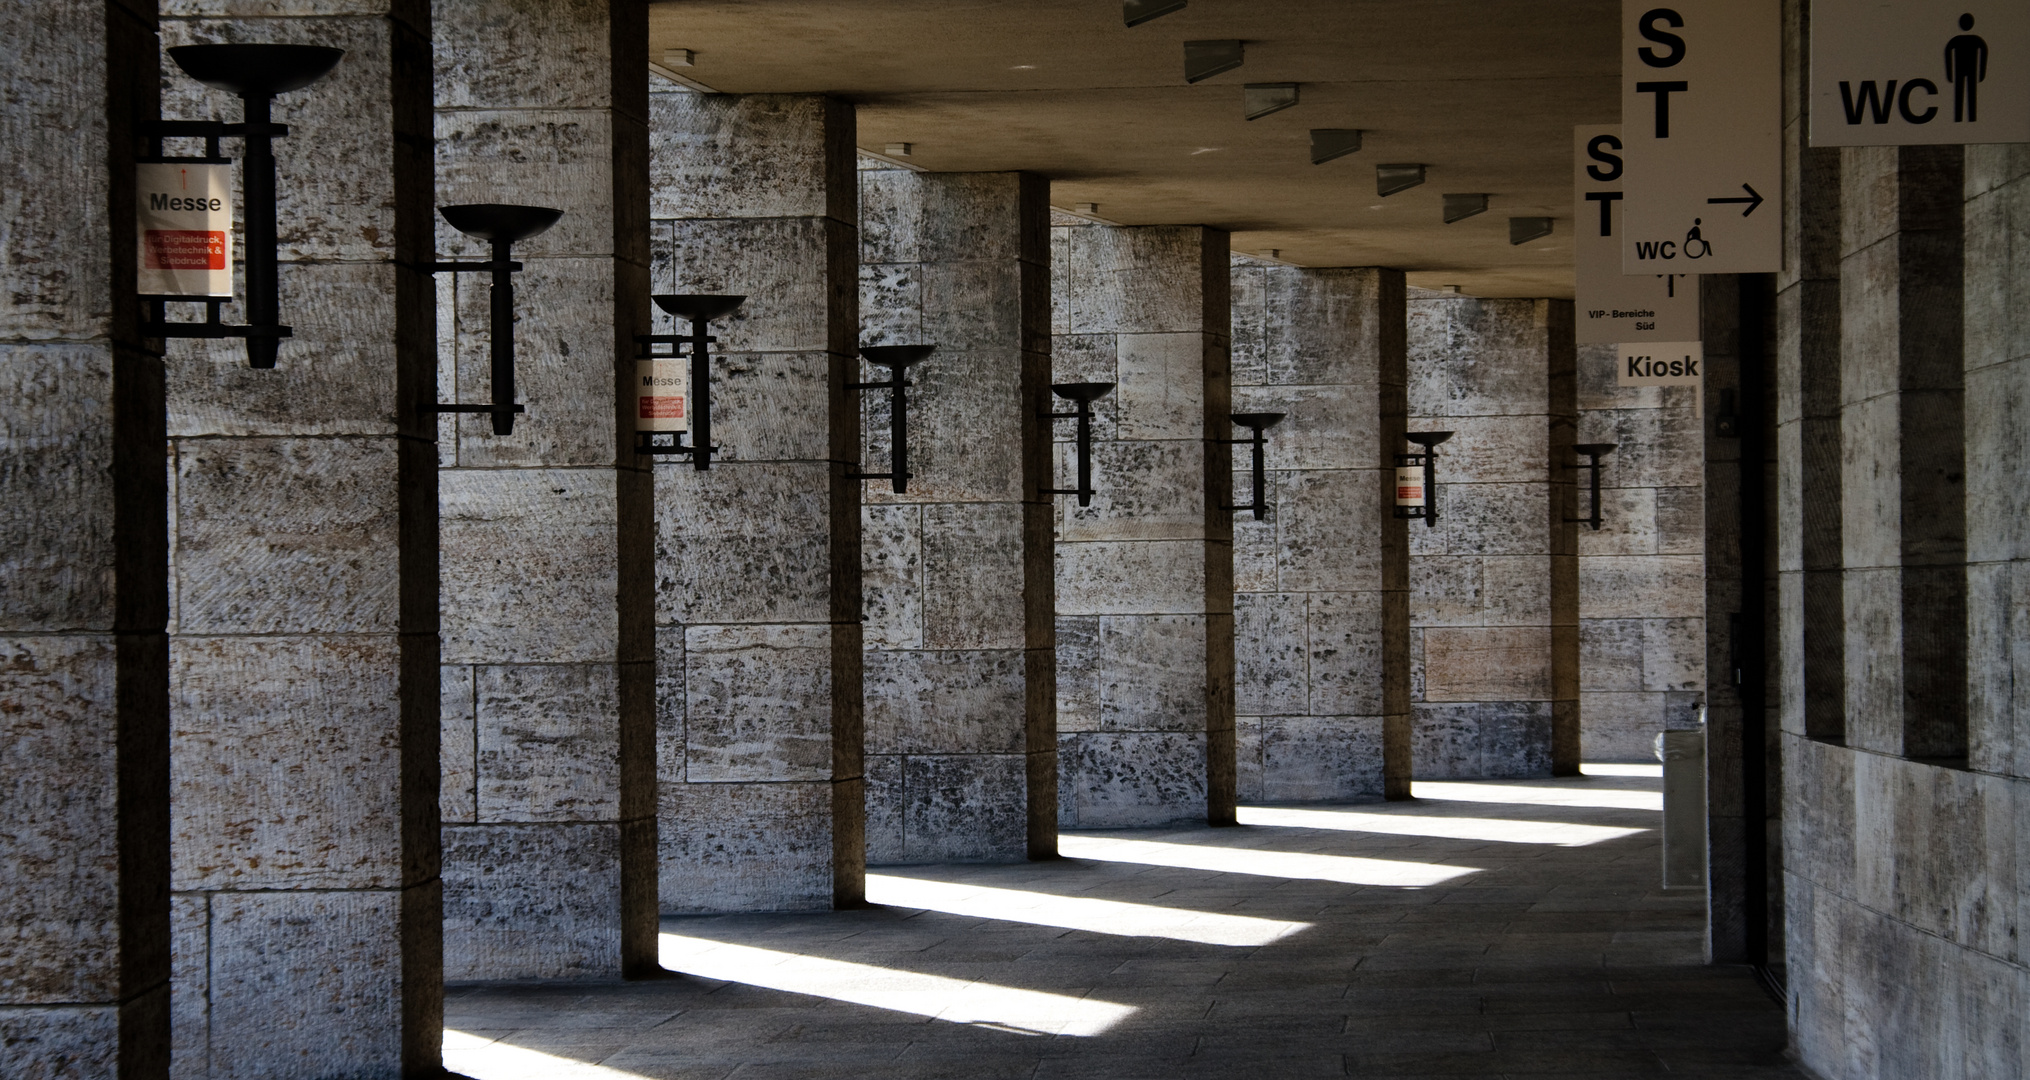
{"x":1917,"y":72}
{"x":1701,"y":111}
{"x":185,"y":229}
{"x":1613,"y":307}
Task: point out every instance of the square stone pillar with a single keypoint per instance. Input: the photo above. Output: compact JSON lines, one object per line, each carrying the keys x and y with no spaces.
{"x":1321,"y":583}
{"x":760,"y":796}
{"x":1494,"y":586}
{"x":84,"y":689}
{"x":548,"y":666}
{"x":1145,"y":574}
{"x":304,"y":646}
{"x":961,"y":693}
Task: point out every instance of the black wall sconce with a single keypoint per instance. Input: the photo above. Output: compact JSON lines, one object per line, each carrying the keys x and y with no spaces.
{"x":501,"y":225}
{"x":1081,"y":394}
{"x":256,"y":73}
{"x":897,"y":359}
{"x":1256,"y":423}
{"x":1417,"y":478}
{"x":1594,"y":452}
{"x":663,"y":436}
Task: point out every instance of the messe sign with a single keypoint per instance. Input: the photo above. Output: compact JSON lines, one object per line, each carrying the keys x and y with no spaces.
{"x":1701,"y":112}
{"x":1909,"y":72}
{"x":1612,"y":307}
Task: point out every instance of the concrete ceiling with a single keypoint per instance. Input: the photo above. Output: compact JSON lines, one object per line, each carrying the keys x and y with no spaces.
{"x":1483,"y":91}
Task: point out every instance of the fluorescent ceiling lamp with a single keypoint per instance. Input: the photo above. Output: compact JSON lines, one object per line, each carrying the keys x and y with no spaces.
{"x":1137,"y":12}
{"x":957,"y":1001}
{"x":1389,"y":179}
{"x":1204,"y":59}
{"x":1296,"y":865}
{"x":1330,"y":143}
{"x":483,"y":1057}
{"x":1461,"y":207}
{"x":1518,"y":795}
{"x":1078,"y":912}
{"x":1261,"y":99}
{"x":1522,"y":230}
{"x":1495,"y":830}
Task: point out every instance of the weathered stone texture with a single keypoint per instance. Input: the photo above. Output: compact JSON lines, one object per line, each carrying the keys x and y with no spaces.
{"x":1313,"y":577}
{"x":1145,"y":626}
{"x":1495,"y":585}
{"x":759,"y":560}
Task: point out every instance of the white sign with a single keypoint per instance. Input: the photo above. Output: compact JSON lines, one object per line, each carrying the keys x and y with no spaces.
{"x":1614,"y":307}
{"x":1908,"y":72}
{"x":185,"y":229}
{"x":662,"y":392}
{"x":1663,"y":363}
{"x":1701,"y":111}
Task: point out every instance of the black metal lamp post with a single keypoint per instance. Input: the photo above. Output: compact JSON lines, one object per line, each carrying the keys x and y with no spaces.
{"x":256,"y":73}
{"x":1081,"y":394}
{"x":1594,"y":452}
{"x":700,"y":309}
{"x":501,"y":225}
{"x":1256,"y":423}
{"x":1417,"y":478}
{"x":897,"y":359}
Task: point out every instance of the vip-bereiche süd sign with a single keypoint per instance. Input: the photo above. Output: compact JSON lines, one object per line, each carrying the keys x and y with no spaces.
{"x":1701,"y":115}
{"x":1611,"y":306}
{"x":1916,"y":72}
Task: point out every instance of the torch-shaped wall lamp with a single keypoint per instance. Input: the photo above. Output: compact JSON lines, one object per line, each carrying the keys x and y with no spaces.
{"x":1417,"y":478}
{"x":184,"y":234}
{"x":1256,"y":423}
{"x":1081,"y":394}
{"x":1594,"y":452}
{"x":897,"y":359}
{"x":501,"y":225}
{"x":680,"y":402}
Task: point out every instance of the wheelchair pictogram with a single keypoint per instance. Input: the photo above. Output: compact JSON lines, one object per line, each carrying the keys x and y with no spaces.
{"x":1695,"y":246}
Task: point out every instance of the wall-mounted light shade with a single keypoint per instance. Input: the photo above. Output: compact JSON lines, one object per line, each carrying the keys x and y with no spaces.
{"x":1461,"y":207}
{"x":1256,"y":423}
{"x":1389,"y":179}
{"x":1330,"y":143}
{"x":1082,"y":395}
{"x":1261,"y":99}
{"x":1522,"y":230}
{"x":1593,"y":452}
{"x":1204,"y":59}
{"x":1137,"y":12}
{"x":1416,"y":486}
{"x":897,"y":359}
{"x":655,"y":438}
{"x":500,"y":225}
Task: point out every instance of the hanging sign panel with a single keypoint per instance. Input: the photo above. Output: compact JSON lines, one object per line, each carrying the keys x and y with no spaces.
{"x":662,"y":391}
{"x":1662,"y":363}
{"x":1701,"y":111}
{"x":185,"y":229}
{"x":1912,"y":72}
{"x":1614,"y":307}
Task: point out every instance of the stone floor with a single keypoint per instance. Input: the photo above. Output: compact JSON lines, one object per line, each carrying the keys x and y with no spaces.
{"x":1496,"y":929}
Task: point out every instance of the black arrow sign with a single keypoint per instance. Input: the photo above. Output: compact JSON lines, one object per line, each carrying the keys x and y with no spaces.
{"x":1753,"y":200}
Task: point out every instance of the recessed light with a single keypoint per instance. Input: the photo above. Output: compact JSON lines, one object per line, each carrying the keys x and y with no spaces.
{"x":1023,"y":67}
{"x":1206,"y":150}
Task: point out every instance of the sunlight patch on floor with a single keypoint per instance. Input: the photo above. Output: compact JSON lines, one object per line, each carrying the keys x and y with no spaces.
{"x":1346,"y":869}
{"x":483,"y":1058}
{"x":958,"y":1001}
{"x":1618,"y":769}
{"x":1078,"y":912}
{"x":1405,"y":821}
{"x":1481,"y":791}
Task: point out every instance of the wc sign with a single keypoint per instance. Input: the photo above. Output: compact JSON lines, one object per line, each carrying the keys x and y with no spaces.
{"x":1911,"y":72}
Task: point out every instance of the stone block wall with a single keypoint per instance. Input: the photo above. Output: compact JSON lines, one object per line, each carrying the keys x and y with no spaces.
{"x":758,"y":565}
{"x":1321,"y":603}
{"x":304,"y":560}
{"x":961,"y":696}
{"x":1642,"y":598}
{"x":548,"y":722}
{"x":1494,"y":640}
{"x":84,"y":689}
{"x":1145,"y":692}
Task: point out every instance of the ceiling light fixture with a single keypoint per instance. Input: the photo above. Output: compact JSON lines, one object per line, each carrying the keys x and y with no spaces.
{"x":1137,"y":12}
{"x":1330,"y":143}
{"x":1522,"y":230}
{"x":1204,"y":59}
{"x":1461,"y":207}
{"x":899,"y":149}
{"x":1090,"y":209}
{"x":1261,"y":99}
{"x":1389,"y":179}
{"x":679,"y":57}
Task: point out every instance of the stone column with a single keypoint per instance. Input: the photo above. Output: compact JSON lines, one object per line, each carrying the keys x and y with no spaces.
{"x":758,"y":636}
{"x":1321,"y":601}
{"x":304,"y":653}
{"x":1145,"y":574}
{"x":961,"y":693}
{"x":549,"y":727}
{"x":1494,"y":586}
{"x":84,"y":974}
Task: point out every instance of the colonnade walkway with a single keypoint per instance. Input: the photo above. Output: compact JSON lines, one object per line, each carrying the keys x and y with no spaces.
{"x":1485,"y":929}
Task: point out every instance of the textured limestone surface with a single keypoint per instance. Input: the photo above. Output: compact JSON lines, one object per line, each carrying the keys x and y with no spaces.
{"x":1145,"y":631}
{"x":1321,"y":630}
{"x":548,"y":661}
{"x":304,"y":650}
{"x":1494,"y":585}
{"x":961,"y":723}
{"x":1642,"y":597}
{"x":760,"y":802}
